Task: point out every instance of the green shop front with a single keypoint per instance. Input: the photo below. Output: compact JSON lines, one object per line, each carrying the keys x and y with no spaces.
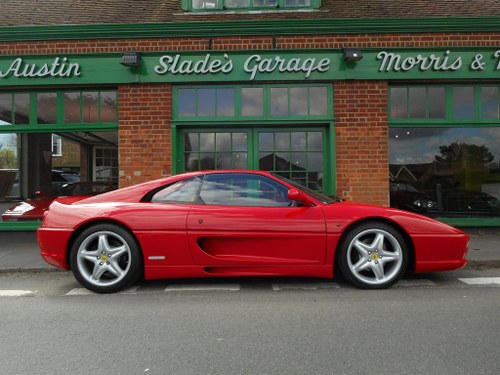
{"x":61,"y":115}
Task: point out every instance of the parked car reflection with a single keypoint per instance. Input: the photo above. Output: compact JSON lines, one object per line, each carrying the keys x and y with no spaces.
{"x":33,"y":209}
{"x":407,"y":197}
{"x":448,"y":202}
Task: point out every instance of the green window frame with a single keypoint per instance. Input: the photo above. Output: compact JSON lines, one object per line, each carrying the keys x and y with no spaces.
{"x":427,"y":105}
{"x":253,"y":102}
{"x":220,"y":5}
{"x":50,"y":110}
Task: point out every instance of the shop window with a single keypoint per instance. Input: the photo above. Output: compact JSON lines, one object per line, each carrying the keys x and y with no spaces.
{"x":463,"y":102}
{"x":299,"y":101}
{"x":14,"y":109}
{"x":417,"y":102}
{"x":25,"y":111}
{"x":252,"y":103}
{"x":215,"y":150}
{"x":296,"y":155}
{"x":37,"y":167}
{"x":206,"y":102}
{"x":265,"y":102}
{"x":90,"y":107}
{"x":444,"y":150}
{"x":490,"y":102}
{"x":46,"y":108}
{"x":6,"y":109}
{"x":449,"y":172}
{"x":205,"y":5}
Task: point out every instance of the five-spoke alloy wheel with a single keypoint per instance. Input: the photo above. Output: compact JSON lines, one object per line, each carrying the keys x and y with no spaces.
{"x":105,"y":258}
{"x":373,"y":255}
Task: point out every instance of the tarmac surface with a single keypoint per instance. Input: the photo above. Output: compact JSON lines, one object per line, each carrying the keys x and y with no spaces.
{"x":19,"y":251}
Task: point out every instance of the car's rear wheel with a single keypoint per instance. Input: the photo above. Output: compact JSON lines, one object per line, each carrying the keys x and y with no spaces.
{"x":373,"y":255}
{"x":105,"y":258}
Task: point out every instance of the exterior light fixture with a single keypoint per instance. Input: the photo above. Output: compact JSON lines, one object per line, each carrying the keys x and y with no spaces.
{"x":132,"y":59}
{"x":352,"y":55}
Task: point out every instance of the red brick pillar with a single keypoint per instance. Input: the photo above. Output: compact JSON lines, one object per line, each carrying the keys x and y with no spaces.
{"x":145,"y":132}
{"x":361,"y":133}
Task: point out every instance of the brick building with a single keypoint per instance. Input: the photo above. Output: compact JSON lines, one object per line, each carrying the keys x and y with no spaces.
{"x":378,"y":101}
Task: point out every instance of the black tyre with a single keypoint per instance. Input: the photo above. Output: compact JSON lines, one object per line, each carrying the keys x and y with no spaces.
{"x":373,"y":255}
{"x":105,"y":258}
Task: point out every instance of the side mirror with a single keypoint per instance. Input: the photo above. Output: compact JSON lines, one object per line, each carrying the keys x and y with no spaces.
{"x":296,"y":195}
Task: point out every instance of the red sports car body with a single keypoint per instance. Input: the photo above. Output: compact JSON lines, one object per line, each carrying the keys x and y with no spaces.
{"x":239,"y":223}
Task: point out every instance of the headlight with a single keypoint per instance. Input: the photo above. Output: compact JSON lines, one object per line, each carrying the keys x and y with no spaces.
{"x":424,"y":203}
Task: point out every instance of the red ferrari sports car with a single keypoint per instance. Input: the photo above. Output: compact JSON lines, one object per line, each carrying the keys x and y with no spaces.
{"x":239,"y":223}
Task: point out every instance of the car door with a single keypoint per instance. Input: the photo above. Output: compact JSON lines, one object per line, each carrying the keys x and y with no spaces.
{"x":246,"y":218}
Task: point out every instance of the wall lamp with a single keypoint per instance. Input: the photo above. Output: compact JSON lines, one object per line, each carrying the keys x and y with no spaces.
{"x":132,"y":59}
{"x":352,"y":55}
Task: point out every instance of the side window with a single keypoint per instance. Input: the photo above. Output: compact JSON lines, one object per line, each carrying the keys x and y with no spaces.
{"x":239,"y":189}
{"x":185,"y":191}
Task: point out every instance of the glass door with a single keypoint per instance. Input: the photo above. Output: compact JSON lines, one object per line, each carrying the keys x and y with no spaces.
{"x":297,"y":154}
{"x":209,"y":150}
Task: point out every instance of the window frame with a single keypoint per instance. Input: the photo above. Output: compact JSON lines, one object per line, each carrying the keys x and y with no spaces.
{"x":266,"y":103}
{"x":187,"y":5}
{"x":449,"y":119}
{"x":59,"y":125}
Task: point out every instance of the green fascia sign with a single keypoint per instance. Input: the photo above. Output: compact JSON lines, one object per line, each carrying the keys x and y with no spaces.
{"x":253,"y":66}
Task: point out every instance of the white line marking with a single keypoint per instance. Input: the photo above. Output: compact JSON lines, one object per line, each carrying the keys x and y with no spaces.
{"x":305,"y":286}
{"x":203,"y":287}
{"x":481,"y":280}
{"x":79,"y":292}
{"x":414,"y":282}
{"x":17,"y":293}
{"x":85,"y":291}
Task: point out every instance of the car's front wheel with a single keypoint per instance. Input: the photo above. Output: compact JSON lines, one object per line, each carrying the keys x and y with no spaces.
{"x":105,"y":258}
{"x":373,"y":255}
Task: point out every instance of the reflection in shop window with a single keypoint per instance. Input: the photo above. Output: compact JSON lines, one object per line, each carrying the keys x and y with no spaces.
{"x":490,"y":102}
{"x":6,"y":109}
{"x":279,"y":101}
{"x":108,"y":106}
{"x":58,"y":164}
{"x":46,"y":108}
{"x":206,"y":102}
{"x":9,"y":165}
{"x":294,"y":155}
{"x":418,"y":102}
{"x":449,"y":172}
{"x":463,"y":102}
{"x":21,"y":109}
{"x":56,"y":145}
{"x":90,"y":107}
{"x":72,"y":107}
{"x":224,"y":150}
{"x":318,"y":101}
{"x":205,"y":4}
{"x":252,"y":101}
{"x":298,"y":101}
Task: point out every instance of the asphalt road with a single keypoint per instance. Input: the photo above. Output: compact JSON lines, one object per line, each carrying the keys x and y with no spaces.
{"x":440,"y":324}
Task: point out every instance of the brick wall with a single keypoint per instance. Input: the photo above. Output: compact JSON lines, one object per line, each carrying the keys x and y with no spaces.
{"x":144,"y":133}
{"x":361,"y":136}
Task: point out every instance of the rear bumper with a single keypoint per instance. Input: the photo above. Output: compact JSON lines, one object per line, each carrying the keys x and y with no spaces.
{"x":54,"y":245}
